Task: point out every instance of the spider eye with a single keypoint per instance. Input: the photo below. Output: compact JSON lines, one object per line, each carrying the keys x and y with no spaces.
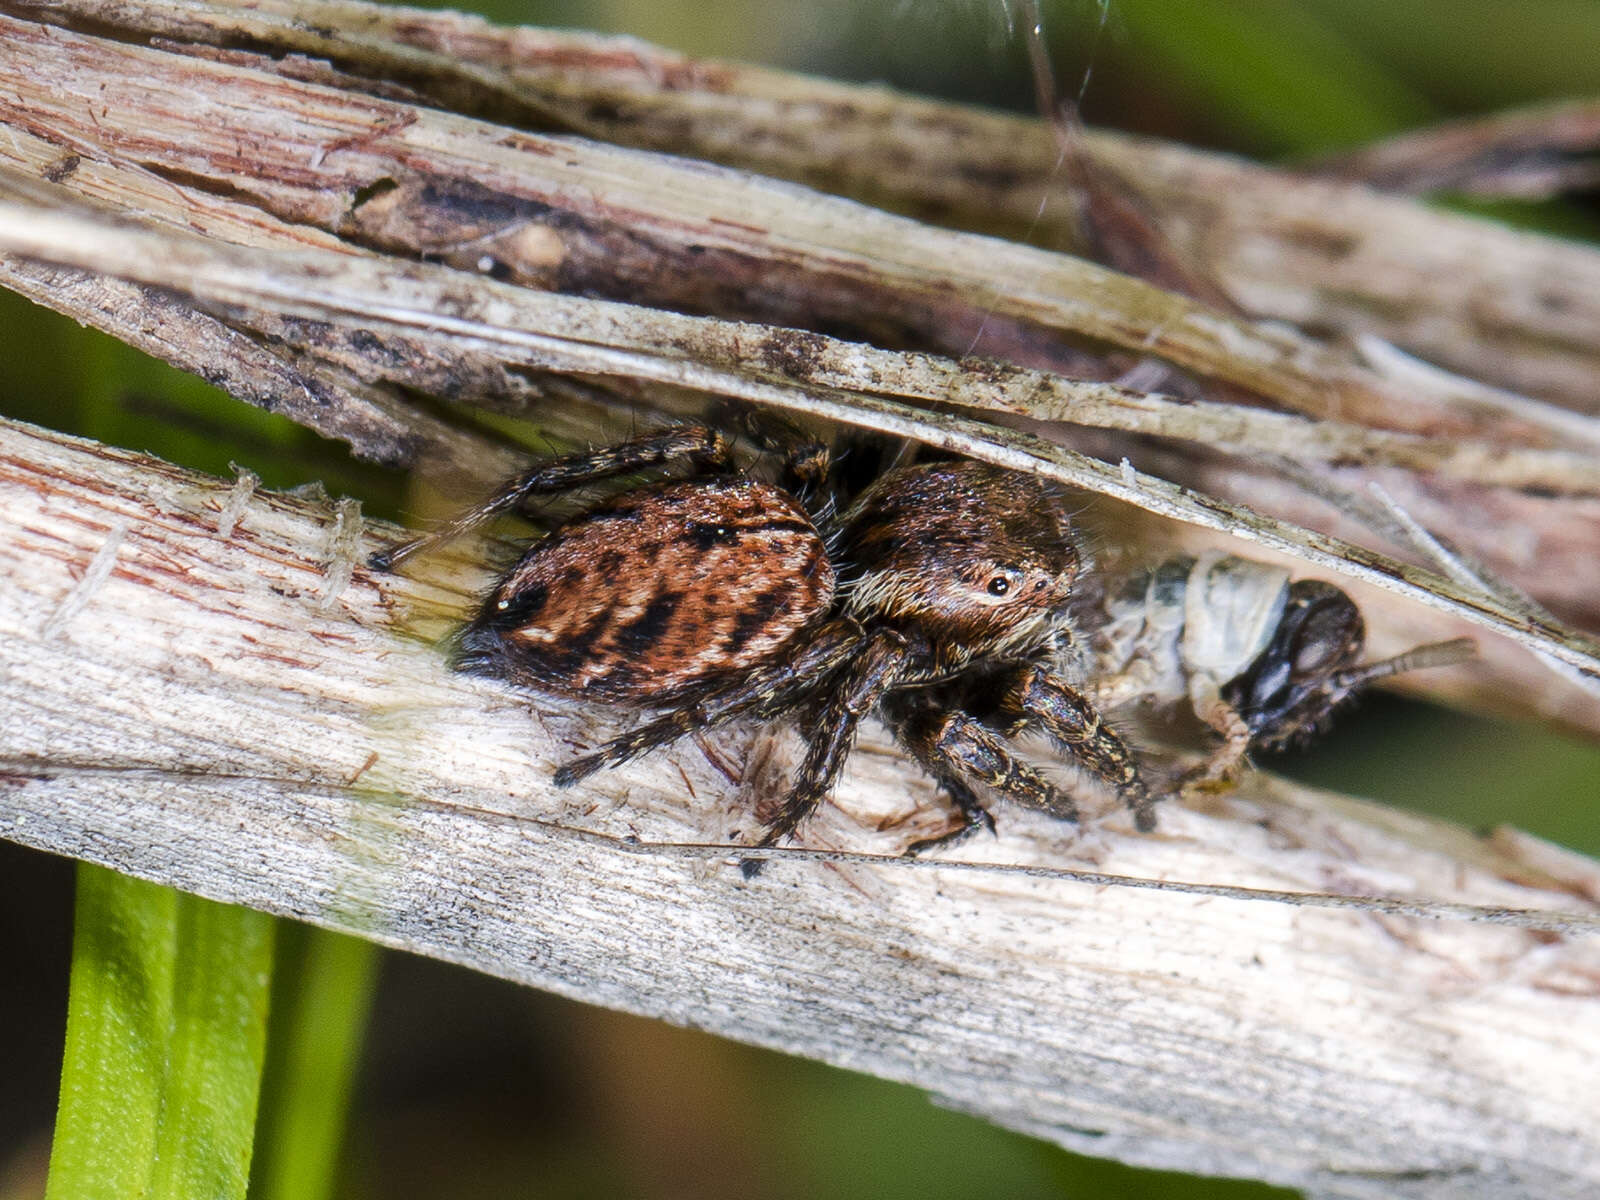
{"x":999,"y":585}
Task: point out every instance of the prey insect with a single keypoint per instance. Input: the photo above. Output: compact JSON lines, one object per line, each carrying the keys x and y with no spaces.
{"x":938,"y":602}
{"x":1260,"y":660}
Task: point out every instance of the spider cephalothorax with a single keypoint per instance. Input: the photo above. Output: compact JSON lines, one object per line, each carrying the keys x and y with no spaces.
{"x":967,"y":560}
{"x":941,"y":609}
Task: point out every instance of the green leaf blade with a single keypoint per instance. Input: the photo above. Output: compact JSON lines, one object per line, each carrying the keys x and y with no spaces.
{"x":323,"y":995}
{"x":119,"y":1016}
{"x":166,"y":1028}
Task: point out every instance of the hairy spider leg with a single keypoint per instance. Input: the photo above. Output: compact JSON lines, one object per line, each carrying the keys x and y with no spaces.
{"x":855,"y":691}
{"x":763,"y":693}
{"x":959,"y":749}
{"x":974,"y":816}
{"x":1034,"y":698}
{"x":806,"y":461}
{"x":702,"y":446}
{"x":972,"y":810}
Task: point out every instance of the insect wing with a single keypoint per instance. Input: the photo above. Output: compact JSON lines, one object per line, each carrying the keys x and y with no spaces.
{"x":1231,"y":608}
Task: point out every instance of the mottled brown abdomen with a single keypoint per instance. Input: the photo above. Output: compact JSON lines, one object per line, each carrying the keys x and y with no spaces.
{"x":657,"y":593}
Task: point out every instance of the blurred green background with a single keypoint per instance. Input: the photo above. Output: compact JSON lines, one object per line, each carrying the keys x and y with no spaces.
{"x":471,"y":1088}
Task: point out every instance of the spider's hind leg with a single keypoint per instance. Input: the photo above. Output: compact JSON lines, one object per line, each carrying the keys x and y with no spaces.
{"x":699,"y":444}
{"x":763,"y":693}
{"x":806,"y":461}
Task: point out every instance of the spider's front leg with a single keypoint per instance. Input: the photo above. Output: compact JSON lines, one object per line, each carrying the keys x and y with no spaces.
{"x":702,"y":446}
{"x":962,"y":752}
{"x":959,"y":750}
{"x":874,"y":667}
{"x":1033,"y":698}
{"x":974,"y":816}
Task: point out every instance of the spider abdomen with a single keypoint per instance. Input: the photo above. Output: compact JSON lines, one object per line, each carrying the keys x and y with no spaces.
{"x":657,"y":593}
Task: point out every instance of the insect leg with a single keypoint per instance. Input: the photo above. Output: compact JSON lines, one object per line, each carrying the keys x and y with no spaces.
{"x":1222,"y":764}
{"x":764,"y":692}
{"x":1113,"y":691}
{"x":1035,"y":698}
{"x":701,"y":445}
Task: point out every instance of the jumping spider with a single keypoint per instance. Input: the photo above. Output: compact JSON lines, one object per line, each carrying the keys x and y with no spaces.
{"x":1261,"y":661}
{"x":937,"y":601}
